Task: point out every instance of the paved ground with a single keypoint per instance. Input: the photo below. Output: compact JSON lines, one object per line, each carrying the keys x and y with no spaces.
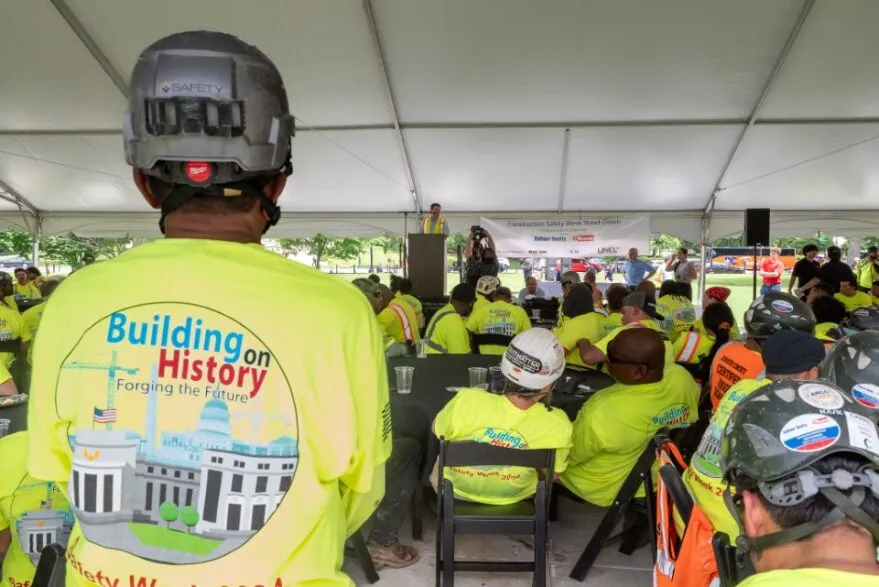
{"x":568,"y":537}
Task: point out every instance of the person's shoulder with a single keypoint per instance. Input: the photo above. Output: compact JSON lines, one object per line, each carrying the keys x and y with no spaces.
{"x":677,"y":374}
{"x":813,"y":577}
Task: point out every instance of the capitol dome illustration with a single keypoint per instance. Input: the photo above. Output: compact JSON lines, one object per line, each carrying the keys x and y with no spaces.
{"x":214,"y":418}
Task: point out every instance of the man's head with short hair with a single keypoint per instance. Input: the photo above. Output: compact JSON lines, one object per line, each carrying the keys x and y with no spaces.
{"x":48,"y":287}
{"x":828,"y":310}
{"x":503,"y":294}
{"x":531,"y":285}
{"x":810,"y":251}
{"x":848,"y":288}
{"x":21,"y":275}
{"x":819,"y":290}
{"x":633,"y":254}
{"x":395,"y":283}
{"x":435,"y":209}
{"x":669,"y":287}
{"x":636,"y":356}
{"x":647,"y":286}
{"x":375,"y":278}
{"x":683,"y":252}
{"x":873,"y":251}
{"x":462,"y":298}
{"x":372,"y":292}
{"x":33,"y":273}
{"x":834,"y":253}
{"x":386,"y":294}
{"x":589,"y":277}
{"x":615,"y":295}
{"x":405,"y":286}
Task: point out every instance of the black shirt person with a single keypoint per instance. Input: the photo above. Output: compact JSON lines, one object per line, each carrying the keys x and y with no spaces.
{"x":806,"y":269}
{"x":833,"y":272}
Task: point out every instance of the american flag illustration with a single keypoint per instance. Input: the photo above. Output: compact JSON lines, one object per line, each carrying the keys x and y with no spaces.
{"x":105,"y":416}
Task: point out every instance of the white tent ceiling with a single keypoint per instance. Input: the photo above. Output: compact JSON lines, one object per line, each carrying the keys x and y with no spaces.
{"x":505,"y":107}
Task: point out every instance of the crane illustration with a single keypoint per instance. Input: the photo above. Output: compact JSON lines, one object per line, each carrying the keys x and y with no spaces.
{"x":113,"y":369}
{"x":257,"y":416}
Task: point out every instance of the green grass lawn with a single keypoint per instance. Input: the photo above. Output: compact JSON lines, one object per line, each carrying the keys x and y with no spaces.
{"x":153,"y":535}
{"x":739,"y":299}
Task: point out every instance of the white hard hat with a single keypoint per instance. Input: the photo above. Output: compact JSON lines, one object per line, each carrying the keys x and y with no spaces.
{"x":487,"y":285}
{"x":534,"y":359}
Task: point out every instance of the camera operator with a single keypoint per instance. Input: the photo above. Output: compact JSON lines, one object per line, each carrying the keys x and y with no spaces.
{"x":480,"y":254}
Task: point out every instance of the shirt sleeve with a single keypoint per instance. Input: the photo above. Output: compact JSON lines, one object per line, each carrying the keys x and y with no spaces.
{"x":458,"y":342}
{"x":585,"y":444}
{"x":444,"y":425}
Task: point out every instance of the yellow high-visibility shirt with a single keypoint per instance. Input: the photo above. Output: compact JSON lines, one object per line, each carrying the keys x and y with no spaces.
{"x":498,"y":317}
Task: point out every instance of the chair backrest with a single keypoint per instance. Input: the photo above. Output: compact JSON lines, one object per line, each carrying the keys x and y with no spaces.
{"x":476,"y":340}
{"x":476,"y":454}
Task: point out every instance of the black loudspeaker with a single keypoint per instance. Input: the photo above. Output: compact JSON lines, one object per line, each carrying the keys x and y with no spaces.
{"x":757,"y":227}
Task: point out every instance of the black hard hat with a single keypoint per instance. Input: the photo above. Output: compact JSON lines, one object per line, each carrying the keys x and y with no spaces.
{"x":853,"y":365}
{"x":861,"y":319}
{"x":777,"y":311}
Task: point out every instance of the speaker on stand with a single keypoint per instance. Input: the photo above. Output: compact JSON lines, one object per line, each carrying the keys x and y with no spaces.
{"x":756,"y":235}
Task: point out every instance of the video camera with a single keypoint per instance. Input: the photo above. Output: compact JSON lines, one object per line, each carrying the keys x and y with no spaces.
{"x":477,"y":232}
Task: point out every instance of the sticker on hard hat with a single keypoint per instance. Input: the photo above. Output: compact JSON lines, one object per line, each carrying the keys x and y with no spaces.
{"x":821,"y":396}
{"x":862,"y":432}
{"x":867,"y":395}
{"x":782,"y":306}
{"x":809,"y":433}
{"x":523,"y":360}
{"x":199,"y":171}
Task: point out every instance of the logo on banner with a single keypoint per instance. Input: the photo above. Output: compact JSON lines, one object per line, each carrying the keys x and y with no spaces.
{"x":583,"y":238}
{"x":608,"y":250}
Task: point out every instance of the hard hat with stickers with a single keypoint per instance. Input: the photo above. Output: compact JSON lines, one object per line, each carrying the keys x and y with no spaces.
{"x":777,"y":311}
{"x":853,"y":365}
{"x":860,"y":320}
{"x":777,"y":434}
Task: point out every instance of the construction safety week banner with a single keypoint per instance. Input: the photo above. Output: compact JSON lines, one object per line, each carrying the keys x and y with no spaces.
{"x":585,"y":236}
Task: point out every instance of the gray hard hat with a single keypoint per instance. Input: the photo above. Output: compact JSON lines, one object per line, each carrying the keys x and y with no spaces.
{"x":206,"y":108}
{"x":852,"y":364}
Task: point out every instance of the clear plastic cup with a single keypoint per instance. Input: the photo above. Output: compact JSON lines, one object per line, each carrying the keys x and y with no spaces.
{"x":404,"y":379}
{"x":4,"y":427}
{"x":535,"y":314}
{"x":495,"y":380}
{"x":478,"y":376}
{"x":421,"y":349}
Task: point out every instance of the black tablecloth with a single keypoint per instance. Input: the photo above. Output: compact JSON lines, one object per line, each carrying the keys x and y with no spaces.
{"x":17,"y":414}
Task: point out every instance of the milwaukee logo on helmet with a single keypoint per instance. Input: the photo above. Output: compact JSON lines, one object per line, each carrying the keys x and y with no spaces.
{"x":199,"y":171}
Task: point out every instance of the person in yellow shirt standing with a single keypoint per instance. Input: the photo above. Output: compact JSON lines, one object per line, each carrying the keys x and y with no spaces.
{"x":405,"y":294}
{"x":851,"y":297}
{"x":434,"y":223}
{"x":867,"y":269}
{"x":397,"y":319}
{"x":581,"y":322}
{"x":447,"y":332}
{"x":24,"y":289}
{"x":499,"y":317}
{"x":787,"y":355}
{"x":30,"y":510}
{"x":243,"y":436}
{"x":519,"y":418}
{"x":613,"y":428}
{"x":802,"y":461}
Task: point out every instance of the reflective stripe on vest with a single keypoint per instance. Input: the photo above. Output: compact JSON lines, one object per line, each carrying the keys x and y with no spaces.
{"x":404,"y":320}
{"x":691,"y":345}
{"x":438,"y":227}
{"x":434,"y":345}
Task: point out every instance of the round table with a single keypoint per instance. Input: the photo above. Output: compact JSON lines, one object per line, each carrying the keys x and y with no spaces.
{"x":14,"y":409}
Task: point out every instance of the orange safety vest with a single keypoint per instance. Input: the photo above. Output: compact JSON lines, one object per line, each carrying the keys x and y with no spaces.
{"x":404,"y":320}
{"x":732,"y":363}
{"x":437,"y":229}
{"x":687,"y":560}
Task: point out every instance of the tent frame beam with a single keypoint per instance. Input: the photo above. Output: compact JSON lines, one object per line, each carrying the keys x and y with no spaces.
{"x":391,"y":103}
{"x":563,"y":180}
{"x":758,"y":106}
{"x":88,"y":41}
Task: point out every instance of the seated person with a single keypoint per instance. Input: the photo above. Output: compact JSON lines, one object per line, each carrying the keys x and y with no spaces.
{"x":829,"y":312}
{"x":447,"y":331}
{"x":639,"y":311}
{"x":647,"y":287}
{"x":398,"y":319}
{"x":806,"y":519}
{"x":616,"y":293}
{"x":581,"y":322}
{"x":874,"y":292}
{"x":614,"y":426}
{"x":498,"y":317}
{"x":787,"y":355}
{"x":7,"y":385}
{"x":676,"y":308}
{"x":374,"y":278}
{"x":519,"y":418}
{"x":768,"y":314}
{"x":851,"y":297}
{"x":405,"y":294}
{"x":11,"y":325}
{"x":819,"y":290}
{"x":568,"y":280}
{"x":373,"y":293}
{"x":530,"y":291}
{"x":35,"y":276}
{"x":32,"y":316}
{"x":714,"y":295}
{"x":597,"y":297}
{"x":20,"y":496}
{"x":695,"y":346}
{"x":485,"y":288}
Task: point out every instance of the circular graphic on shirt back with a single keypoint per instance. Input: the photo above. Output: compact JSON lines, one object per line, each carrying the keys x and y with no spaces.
{"x":185,"y":436}
{"x":810,"y":433}
{"x":866,"y":394}
{"x":821,"y":397}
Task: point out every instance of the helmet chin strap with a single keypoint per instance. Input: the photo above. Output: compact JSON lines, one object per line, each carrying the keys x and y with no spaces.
{"x":183,"y":193}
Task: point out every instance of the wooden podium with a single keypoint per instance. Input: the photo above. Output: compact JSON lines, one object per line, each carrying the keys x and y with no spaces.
{"x":427,"y":265}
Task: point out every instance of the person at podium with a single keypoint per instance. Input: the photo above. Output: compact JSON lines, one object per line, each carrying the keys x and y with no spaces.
{"x":433,"y":223}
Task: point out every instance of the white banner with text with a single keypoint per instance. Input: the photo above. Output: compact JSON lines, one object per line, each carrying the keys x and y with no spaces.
{"x":569,"y":237}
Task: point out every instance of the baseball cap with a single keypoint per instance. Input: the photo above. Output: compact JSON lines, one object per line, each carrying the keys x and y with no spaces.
{"x":570,"y":277}
{"x":487,"y":285}
{"x":791,"y":351}
{"x":718,"y":293}
{"x":645,"y":302}
{"x":534,"y":359}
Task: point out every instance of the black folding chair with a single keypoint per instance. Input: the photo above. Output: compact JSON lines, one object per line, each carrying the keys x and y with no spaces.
{"x":624,"y":502}
{"x":50,"y":568}
{"x":356,"y":548}
{"x":484,"y":339}
{"x":527,"y":517}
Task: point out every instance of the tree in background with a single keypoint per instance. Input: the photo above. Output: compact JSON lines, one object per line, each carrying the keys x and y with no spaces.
{"x":168,"y":511}
{"x":189,"y":516}
{"x":454,"y":241}
{"x":323,"y":247}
